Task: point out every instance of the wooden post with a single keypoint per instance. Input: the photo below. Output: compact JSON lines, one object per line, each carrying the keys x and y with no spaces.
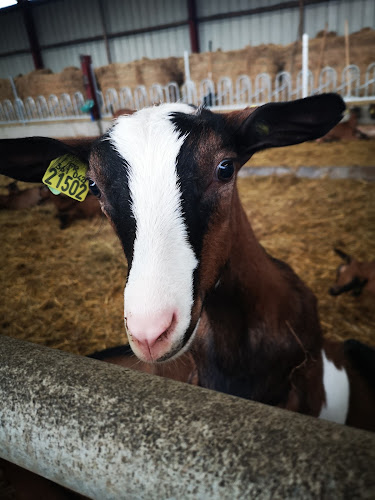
{"x":193,"y":25}
{"x":299,"y":36}
{"x":321,"y":54}
{"x":301,"y":26}
{"x":105,"y":37}
{"x":347,"y":56}
{"x":31,"y":33}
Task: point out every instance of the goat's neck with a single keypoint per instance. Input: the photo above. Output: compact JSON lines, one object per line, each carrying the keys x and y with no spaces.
{"x":252,"y":276}
{"x":251,"y":337}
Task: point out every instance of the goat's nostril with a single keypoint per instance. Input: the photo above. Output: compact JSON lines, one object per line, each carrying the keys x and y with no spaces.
{"x":151,"y":328}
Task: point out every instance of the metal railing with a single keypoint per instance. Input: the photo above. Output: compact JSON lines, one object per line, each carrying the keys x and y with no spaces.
{"x":223,"y":94}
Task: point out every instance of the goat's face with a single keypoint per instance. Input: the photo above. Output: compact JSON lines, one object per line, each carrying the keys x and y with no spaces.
{"x":165,"y":177}
{"x":348,"y":279}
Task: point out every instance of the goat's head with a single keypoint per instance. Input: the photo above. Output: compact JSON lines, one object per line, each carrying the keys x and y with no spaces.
{"x":166,"y":178}
{"x":348,"y":277}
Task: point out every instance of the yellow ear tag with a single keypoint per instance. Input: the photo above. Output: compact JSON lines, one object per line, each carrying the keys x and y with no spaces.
{"x":67,"y":174}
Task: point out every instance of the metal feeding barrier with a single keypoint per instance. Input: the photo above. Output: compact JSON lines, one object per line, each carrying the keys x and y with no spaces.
{"x":225,"y":94}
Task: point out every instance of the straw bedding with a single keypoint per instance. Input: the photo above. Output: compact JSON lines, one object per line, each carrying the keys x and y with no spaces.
{"x":64,"y":289}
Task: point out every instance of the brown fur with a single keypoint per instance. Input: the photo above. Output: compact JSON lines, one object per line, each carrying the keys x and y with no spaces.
{"x":282,"y":368}
{"x":361,"y":274}
{"x":69,"y":210}
{"x":22,"y":199}
{"x":122,"y":112}
{"x":347,"y":130}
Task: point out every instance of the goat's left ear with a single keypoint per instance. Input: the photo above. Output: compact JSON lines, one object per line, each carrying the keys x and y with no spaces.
{"x":285,"y":123}
{"x":27,"y":159}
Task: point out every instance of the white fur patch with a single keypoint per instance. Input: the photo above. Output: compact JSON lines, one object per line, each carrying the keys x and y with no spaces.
{"x":336,"y":385}
{"x":161,"y":276}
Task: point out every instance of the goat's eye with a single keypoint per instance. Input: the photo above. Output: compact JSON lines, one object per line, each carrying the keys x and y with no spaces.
{"x":225,"y":170}
{"x":94,"y":188}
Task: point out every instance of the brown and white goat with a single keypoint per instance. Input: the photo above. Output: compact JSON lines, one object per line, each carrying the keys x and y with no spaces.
{"x":353,"y":276}
{"x":122,"y":112}
{"x":18,"y":199}
{"x":347,"y":130}
{"x":69,"y":210}
{"x":199,"y":283}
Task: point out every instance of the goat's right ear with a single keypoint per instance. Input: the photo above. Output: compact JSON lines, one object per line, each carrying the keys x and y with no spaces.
{"x":347,"y":258}
{"x":27,"y":159}
{"x":284,"y":123}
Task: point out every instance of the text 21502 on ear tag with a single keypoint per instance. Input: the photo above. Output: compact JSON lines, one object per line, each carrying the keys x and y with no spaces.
{"x":67,"y":174}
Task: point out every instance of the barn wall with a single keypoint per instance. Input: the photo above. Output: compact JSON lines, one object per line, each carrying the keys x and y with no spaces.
{"x":281,"y":26}
{"x":70,"y":22}
{"x":13,"y":37}
{"x":166,"y":43}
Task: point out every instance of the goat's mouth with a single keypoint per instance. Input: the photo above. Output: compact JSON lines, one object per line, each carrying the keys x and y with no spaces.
{"x":355,"y":286}
{"x":335,"y":291}
{"x":170,"y":345}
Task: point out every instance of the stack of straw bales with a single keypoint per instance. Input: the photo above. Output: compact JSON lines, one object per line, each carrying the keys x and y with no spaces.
{"x":144,"y":72}
{"x":249,"y":61}
{"x":44,"y":82}
{"x":5,"y":89}
{"x":361,"y":45}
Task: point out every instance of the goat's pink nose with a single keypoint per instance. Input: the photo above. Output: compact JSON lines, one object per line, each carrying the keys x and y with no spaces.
{"x":148,"y":329}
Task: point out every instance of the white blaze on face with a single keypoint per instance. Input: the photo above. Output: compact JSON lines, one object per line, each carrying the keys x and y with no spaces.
{"x":161,"y":276}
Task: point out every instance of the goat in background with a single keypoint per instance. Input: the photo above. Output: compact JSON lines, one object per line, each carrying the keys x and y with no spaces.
{"x":353,"y":276}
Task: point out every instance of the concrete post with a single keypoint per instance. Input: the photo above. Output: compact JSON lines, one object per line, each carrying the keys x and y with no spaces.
{"x":110,"y":433}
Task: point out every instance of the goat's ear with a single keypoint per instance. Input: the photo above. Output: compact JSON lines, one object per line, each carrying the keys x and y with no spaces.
{"x":285,"y":123}
{"x":27,"y":159}
{"x":347,"y":258}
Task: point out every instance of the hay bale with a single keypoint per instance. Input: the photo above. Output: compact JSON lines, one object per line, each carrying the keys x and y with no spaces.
{"x":6,"y":91}
{"x":117,"y":75}
{"x":361,"y":52}
{"x":44,"y":82}
{"x":144,"y":72}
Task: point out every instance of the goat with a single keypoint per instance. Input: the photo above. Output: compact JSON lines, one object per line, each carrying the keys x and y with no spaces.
{"x":354,"y":276}
{"x":121,"y":112}
{"x":18,"y":199}
{"x":69,"y":210}
{"x":347,"y":130}
{"x":199,"y":282}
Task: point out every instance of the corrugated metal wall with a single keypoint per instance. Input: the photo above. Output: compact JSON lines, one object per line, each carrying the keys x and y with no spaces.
{"x":13,"y":36}
{"x":67,"y":20}
{"x":280,"y":27}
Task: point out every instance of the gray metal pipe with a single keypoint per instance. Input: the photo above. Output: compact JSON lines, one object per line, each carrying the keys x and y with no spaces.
{"x":111,"y":433}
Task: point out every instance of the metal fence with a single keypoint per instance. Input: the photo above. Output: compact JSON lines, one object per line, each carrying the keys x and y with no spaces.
{"x":222,"y":95}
